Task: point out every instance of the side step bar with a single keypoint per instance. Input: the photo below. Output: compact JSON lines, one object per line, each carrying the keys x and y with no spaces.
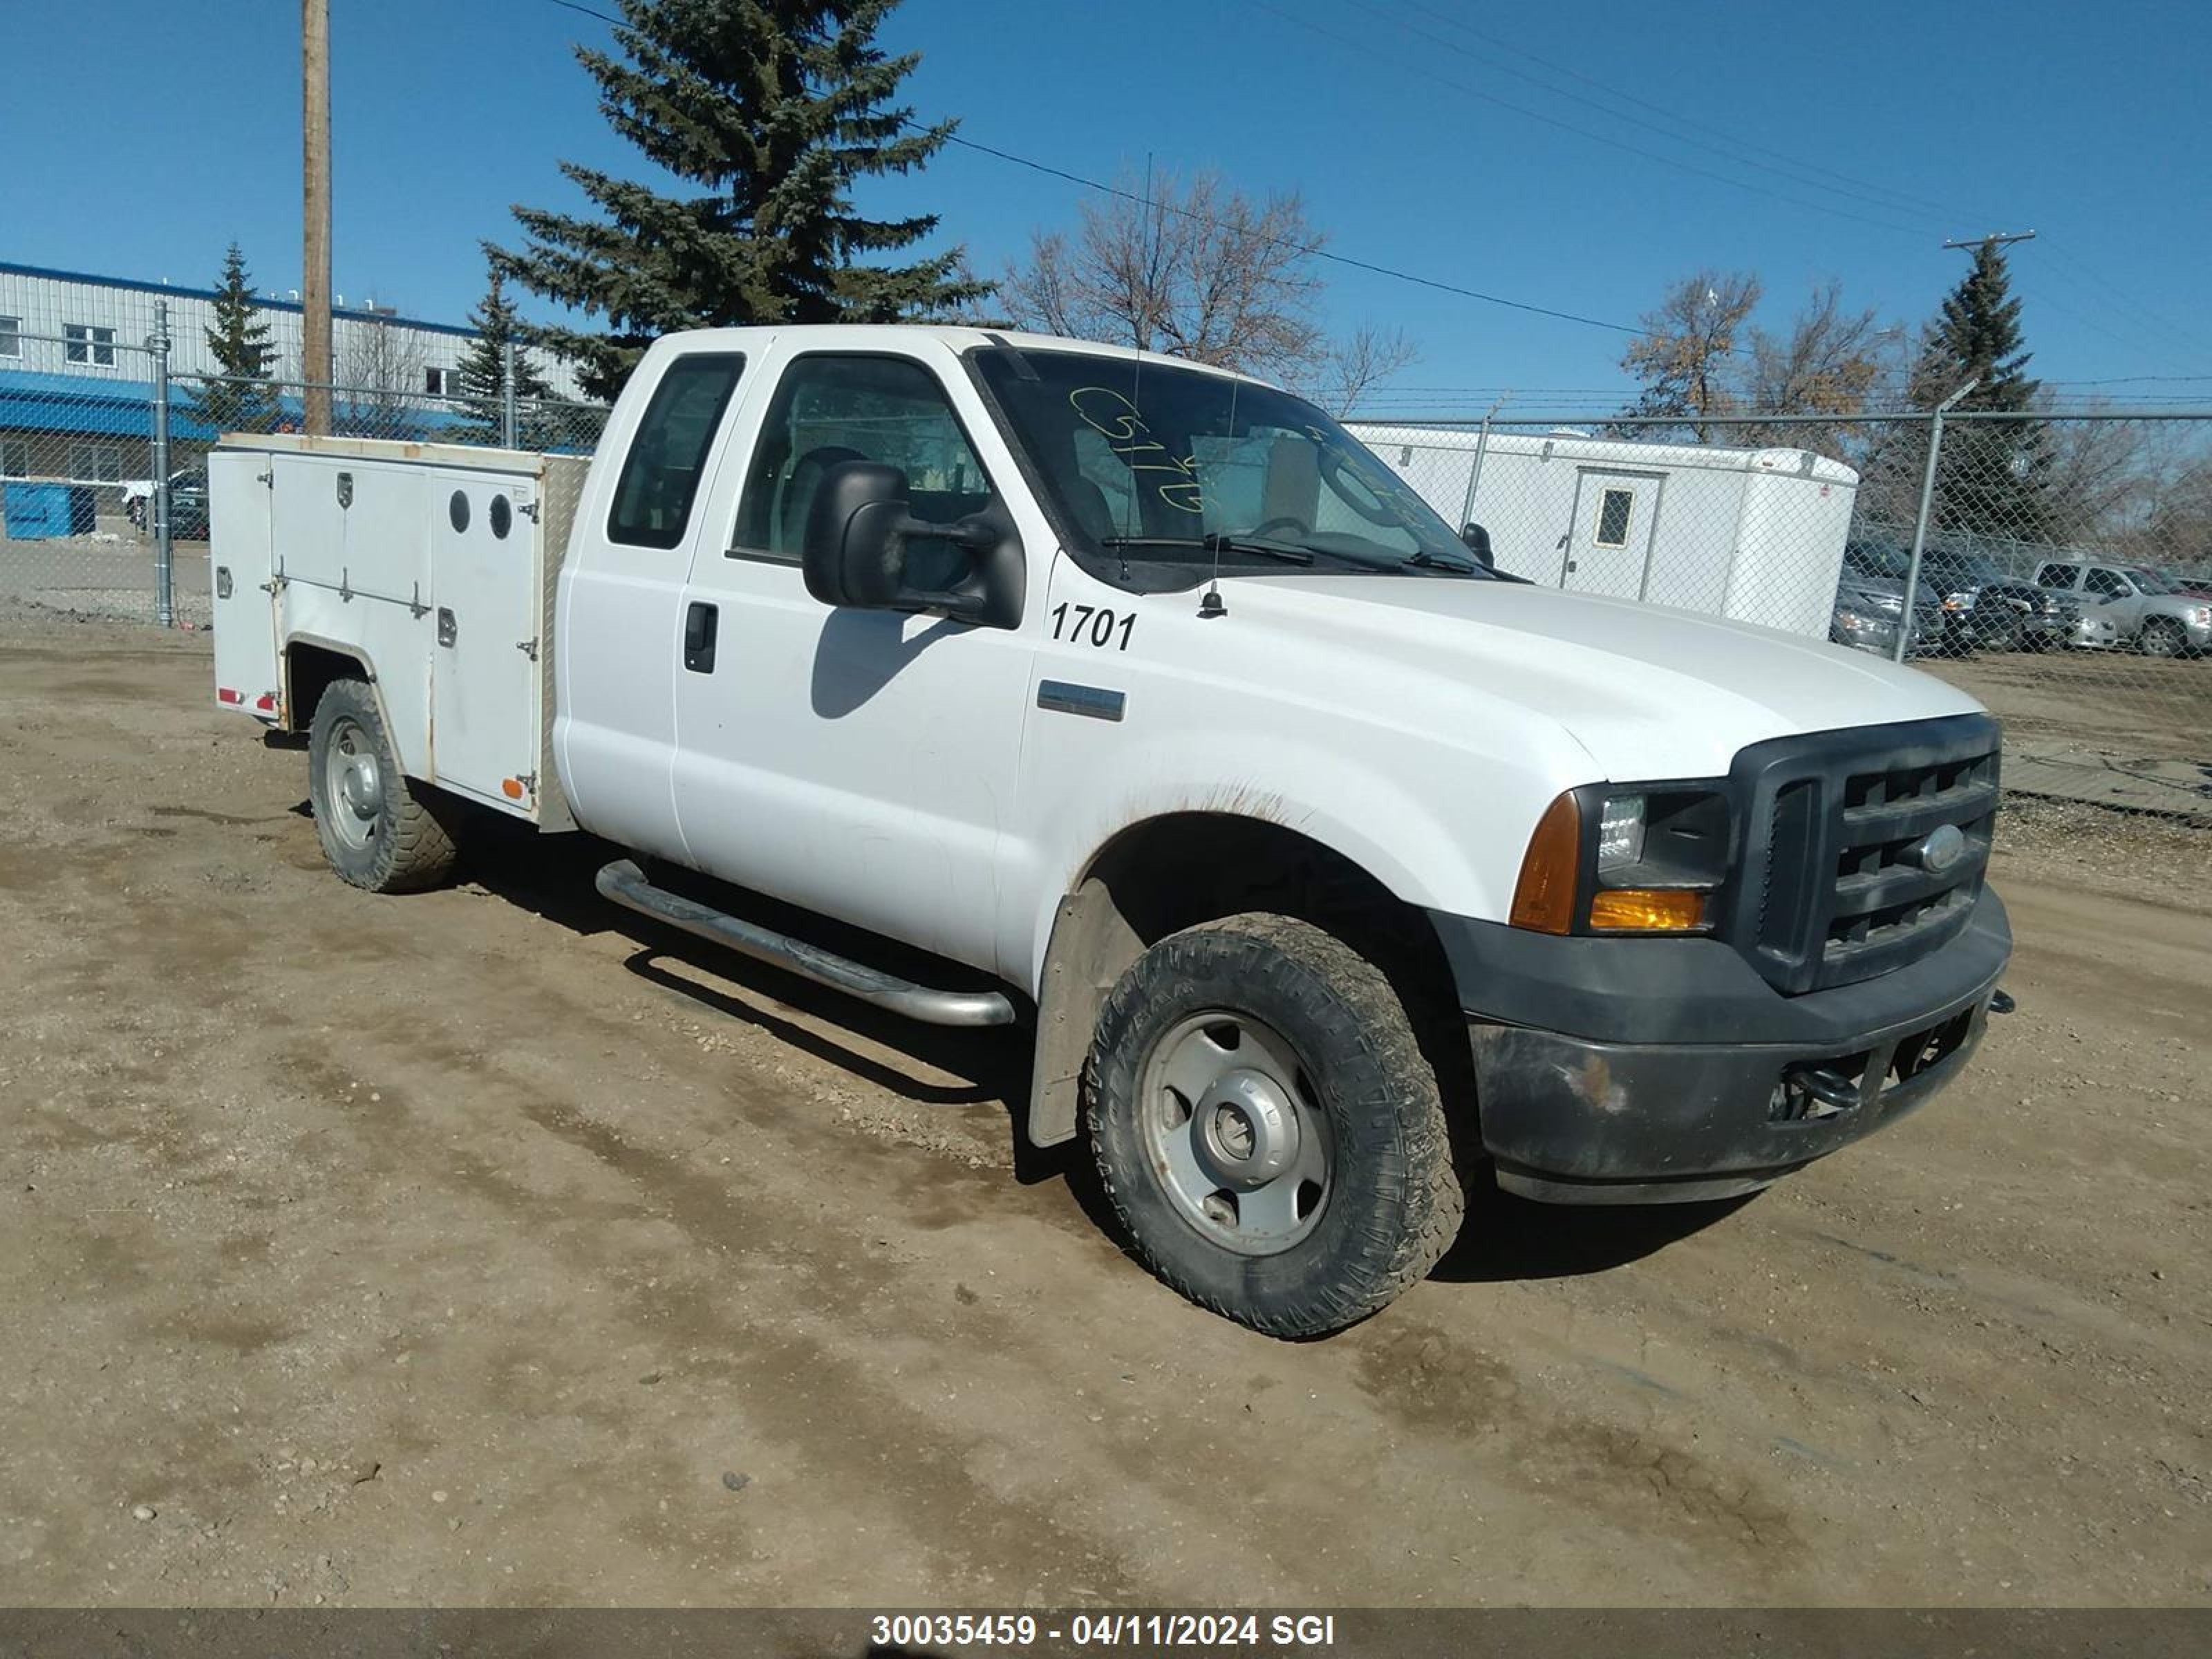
{"x":625,"y":884}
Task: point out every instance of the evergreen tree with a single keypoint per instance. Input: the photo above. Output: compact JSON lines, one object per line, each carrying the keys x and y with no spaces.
{"x":238,"y":341}
{"x":1993,"y":476}
{"x":482,"y":368}
{"x":771,"y":110}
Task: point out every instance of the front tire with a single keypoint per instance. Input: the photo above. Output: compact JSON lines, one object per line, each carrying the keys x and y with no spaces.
{"x":376,"y":831}
{"x":1268,"y":1128}
{"x":2163,"y":638}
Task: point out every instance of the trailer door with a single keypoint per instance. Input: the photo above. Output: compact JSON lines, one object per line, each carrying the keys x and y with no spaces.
{"x":1608,"y":543}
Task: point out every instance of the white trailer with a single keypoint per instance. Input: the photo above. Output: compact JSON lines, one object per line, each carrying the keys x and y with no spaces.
{"x":1755,"y":535}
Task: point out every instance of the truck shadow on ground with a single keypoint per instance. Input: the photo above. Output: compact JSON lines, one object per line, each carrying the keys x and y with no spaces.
{"x":1503,"y":1238}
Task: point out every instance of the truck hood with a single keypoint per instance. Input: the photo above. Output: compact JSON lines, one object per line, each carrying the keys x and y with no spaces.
{"x":1647,"y":691}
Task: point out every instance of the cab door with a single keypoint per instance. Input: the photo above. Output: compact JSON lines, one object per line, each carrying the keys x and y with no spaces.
{"x":855,"y":762}
{"x":621,"y":608}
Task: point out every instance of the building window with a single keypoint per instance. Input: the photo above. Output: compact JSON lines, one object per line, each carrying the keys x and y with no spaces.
{"x":1613,"y":509}
{"x":440,"y":382}
{"x":11,"y":337}
{"x":96,"y":463}
{"x":14,"y":459}
{"x":83,"y":344}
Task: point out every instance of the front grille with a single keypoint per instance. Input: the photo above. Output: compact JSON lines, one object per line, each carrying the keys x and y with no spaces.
{"x":1835,"y":887}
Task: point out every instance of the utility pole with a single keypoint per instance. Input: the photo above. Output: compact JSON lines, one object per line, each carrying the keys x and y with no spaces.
{"x":315,"y":206}
{"x":1995,"y":238}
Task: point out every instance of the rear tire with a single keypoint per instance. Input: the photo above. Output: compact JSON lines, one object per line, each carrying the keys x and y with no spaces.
{"x":1268,"y":1128}
{"x":376,"y":831}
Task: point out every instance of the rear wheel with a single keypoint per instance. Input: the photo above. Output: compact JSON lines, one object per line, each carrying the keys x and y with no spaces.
{"x":376,"y":831}
{"x":1268,"y":1128}
{"x":2163,"y":637}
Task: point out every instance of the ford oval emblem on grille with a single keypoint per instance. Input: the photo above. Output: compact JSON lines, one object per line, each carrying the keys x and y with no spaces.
{"x":1940,"y":849}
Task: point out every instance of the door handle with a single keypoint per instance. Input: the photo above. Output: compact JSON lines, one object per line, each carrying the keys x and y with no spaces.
{"x":699,"y":622}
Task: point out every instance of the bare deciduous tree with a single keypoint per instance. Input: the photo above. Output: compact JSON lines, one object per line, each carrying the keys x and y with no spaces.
{"x":1203,"y":271}
{"x":1685,"y":354}
{"x":1826,"y":363}
{"x":1353,"y":365}
{"x":380,"y":381}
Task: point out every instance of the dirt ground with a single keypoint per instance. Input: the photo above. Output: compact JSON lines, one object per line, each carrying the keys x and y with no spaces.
{"x":2117,"y":727}
{"x":488,"y":1246}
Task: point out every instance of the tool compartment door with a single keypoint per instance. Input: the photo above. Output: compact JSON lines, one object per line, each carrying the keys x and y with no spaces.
{"x":485,"y":576}
{"x":245,"y":669}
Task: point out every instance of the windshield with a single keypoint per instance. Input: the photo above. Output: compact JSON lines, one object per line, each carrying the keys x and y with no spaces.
{"x":2154,"y":582}
{"x":1169,"y":470}
{"x":1877,"y":559}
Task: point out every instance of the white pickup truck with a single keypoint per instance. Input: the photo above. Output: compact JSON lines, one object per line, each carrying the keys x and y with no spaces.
{"x":1334,"y":873}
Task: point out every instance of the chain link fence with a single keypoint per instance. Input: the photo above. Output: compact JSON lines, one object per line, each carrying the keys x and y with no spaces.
{"x":2057,"y":567}
{"x":103,"y":463}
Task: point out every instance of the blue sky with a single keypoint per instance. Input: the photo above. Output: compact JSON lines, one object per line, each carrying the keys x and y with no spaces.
{"x":1428,"y":135}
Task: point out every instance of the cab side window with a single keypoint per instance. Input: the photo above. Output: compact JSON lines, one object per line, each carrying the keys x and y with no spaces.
{"x":2106,"y":584}
{"x":829,"y":410}
{"x":2056,"y":575}
{"x":661,"y":475}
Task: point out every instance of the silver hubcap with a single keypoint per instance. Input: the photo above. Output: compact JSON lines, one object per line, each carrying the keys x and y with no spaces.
{"x":352,"y":784}
{"x":1234,"y":1134}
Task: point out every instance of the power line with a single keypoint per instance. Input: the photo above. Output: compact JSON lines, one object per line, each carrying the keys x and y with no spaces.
{"x":1902,"y":197}
{"x":1887,"y":200}
{"x":1310,"y":251}
{"x":1595,"y":137}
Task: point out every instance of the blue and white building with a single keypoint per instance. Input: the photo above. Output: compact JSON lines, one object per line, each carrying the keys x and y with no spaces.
{"x":76,"y":379}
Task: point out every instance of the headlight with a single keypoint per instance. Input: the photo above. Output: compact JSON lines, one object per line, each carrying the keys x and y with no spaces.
{"x":1957,"y":602}
{"x":1620,"y":834}
{"x":2204,"y":616}
{"x":1649,"y":859}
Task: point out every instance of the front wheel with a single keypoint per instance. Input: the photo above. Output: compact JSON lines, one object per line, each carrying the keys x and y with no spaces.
{"x":376,"y":831}
{"x":2163,"y":637}
{"x":1268,"y":1128}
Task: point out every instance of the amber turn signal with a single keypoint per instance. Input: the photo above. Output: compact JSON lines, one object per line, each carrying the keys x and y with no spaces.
{"x":1648,"y":910}
{"x":1544,"y":897}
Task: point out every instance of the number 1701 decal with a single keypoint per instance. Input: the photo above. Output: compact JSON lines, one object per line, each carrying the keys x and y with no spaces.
{"x":1090,"y":625}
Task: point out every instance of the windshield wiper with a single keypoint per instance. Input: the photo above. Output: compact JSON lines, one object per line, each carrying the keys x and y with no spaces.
{"x":1428,"y":560}
{"x":1213,"y":542}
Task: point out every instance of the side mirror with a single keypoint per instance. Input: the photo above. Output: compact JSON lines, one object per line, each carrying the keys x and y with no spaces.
{"x":1477,"y":541}
{"x":854,"y":550}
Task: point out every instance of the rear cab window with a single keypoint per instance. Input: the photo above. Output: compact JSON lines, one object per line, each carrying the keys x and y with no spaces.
{"x":2060,"y":576}
{"x":668,"y":454}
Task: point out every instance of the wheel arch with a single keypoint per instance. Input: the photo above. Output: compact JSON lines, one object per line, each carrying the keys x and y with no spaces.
{"x":1163,"y":873}
{"x":311,"y":664}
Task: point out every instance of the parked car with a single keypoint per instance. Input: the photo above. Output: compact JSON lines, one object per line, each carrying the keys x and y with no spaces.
{"x":1140,"y":695}
{"x":2152,"y":611}
{"x":2195,"y":587}
{"x":2089,"y":631}
{"x":1867,"y":612}
{"x":1984,"y":606}
{"x":188,"y":507}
